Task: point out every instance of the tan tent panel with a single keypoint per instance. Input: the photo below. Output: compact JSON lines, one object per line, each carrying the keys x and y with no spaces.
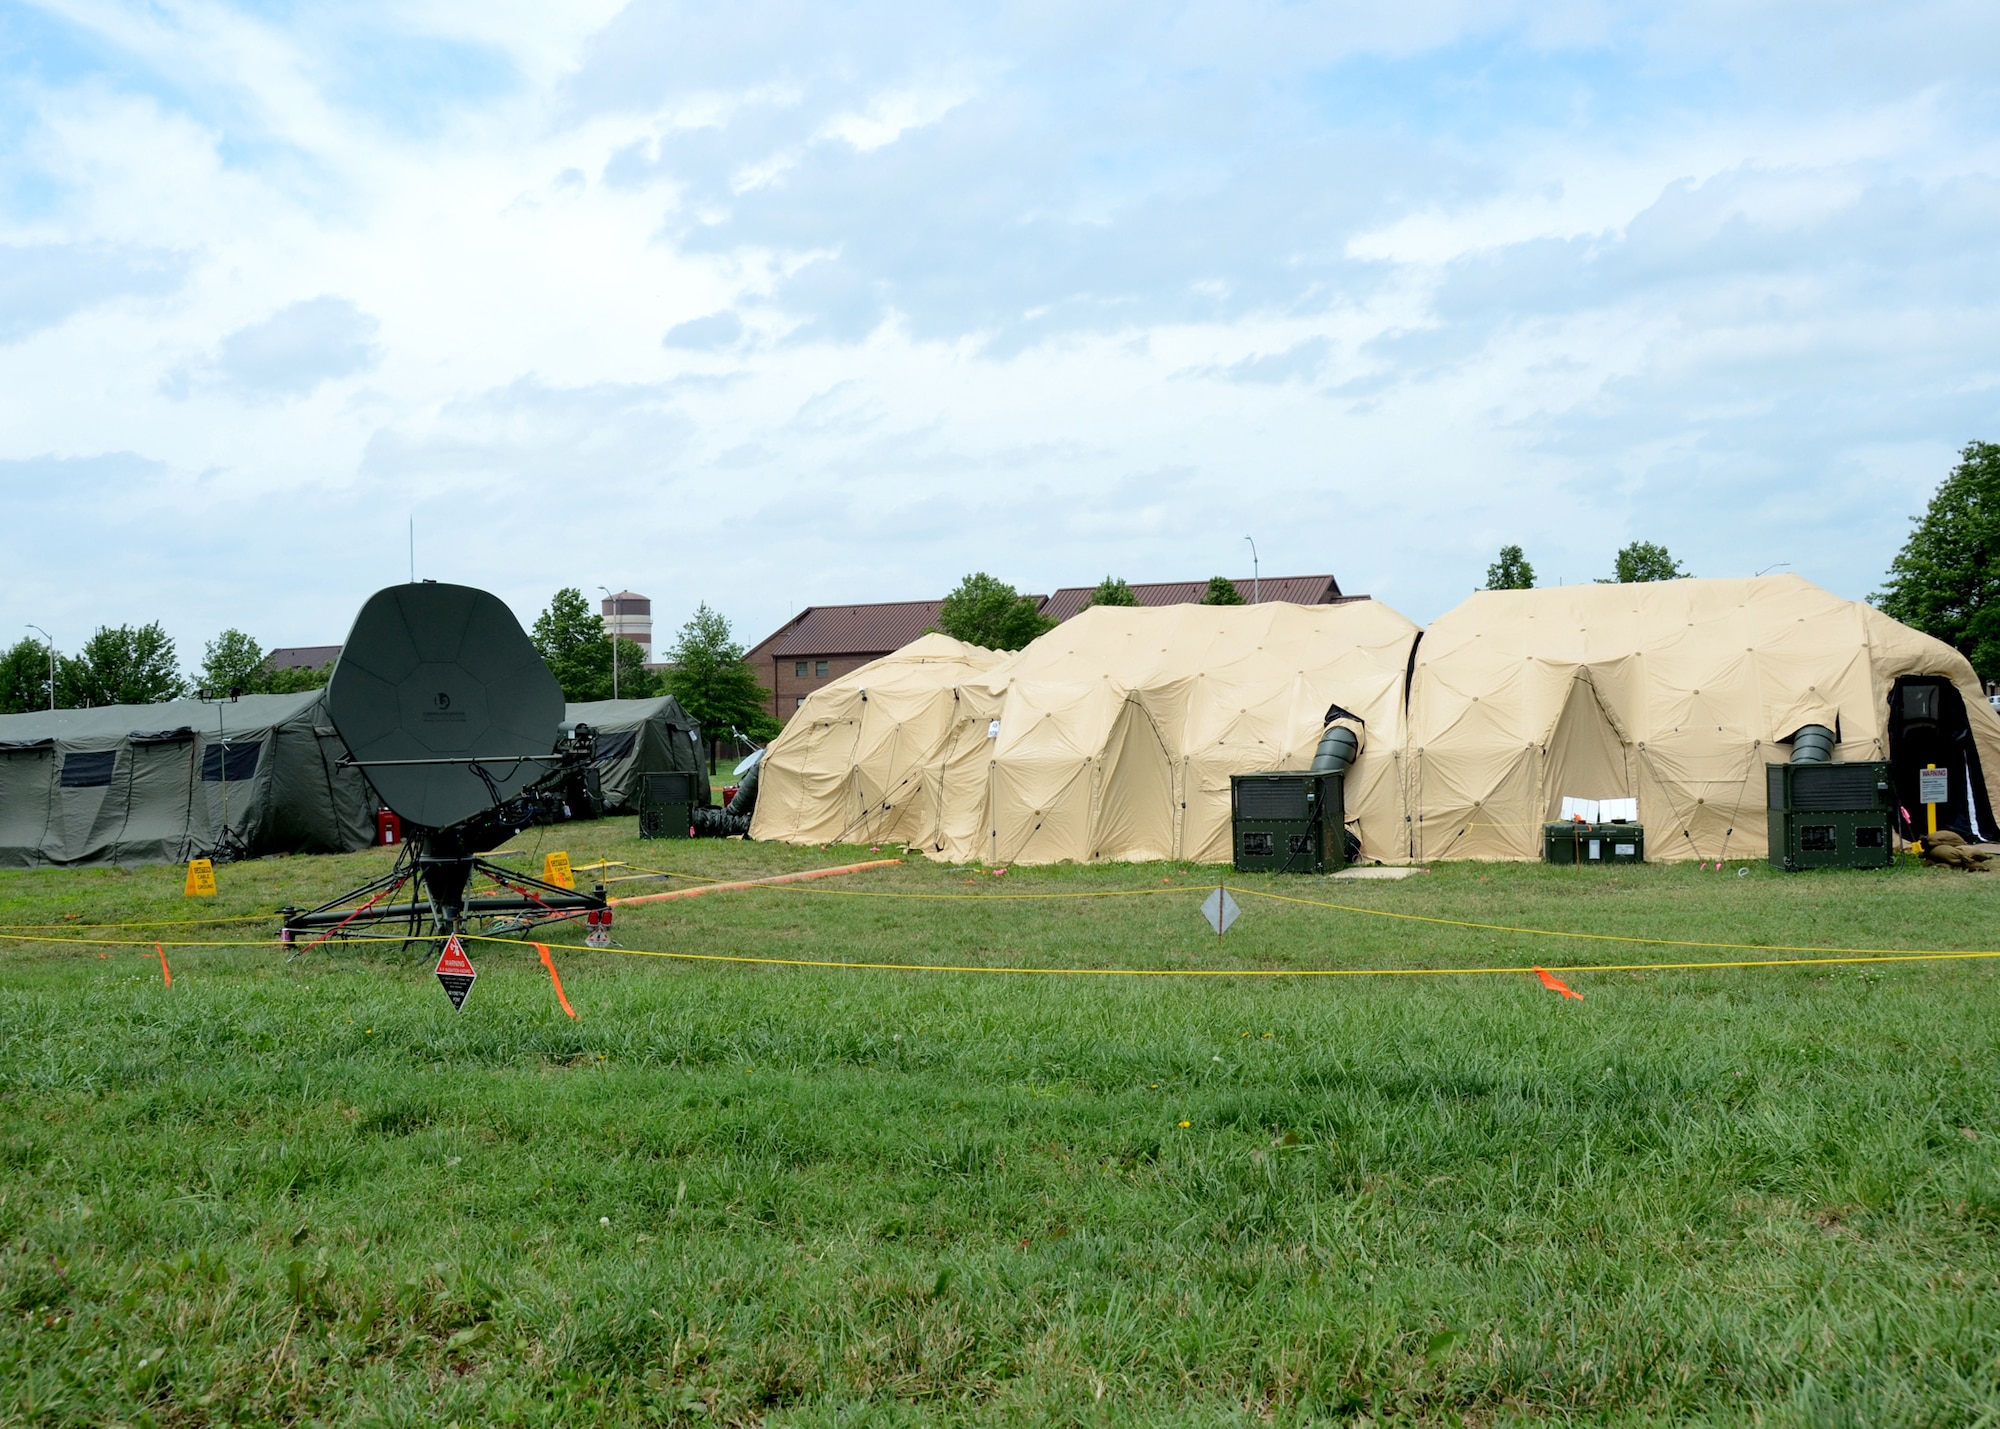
{"x":1675,"y":693}
{"x":859,"y":761}
{"x":1112,"y":738}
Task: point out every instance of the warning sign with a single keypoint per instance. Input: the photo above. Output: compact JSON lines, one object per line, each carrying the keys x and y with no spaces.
{"x":599,"y":935}
{"x":200,"y":879}
{"x":1220,"y":910}
{"x":456,"y":972}
{"x":1933,"y":786}
{"x":555,"y":869}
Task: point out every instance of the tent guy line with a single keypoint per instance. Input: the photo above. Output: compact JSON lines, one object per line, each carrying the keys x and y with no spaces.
{"x":1840,"y":958}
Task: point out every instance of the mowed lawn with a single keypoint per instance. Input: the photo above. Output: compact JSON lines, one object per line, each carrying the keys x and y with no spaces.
{"x":736,"y":1193}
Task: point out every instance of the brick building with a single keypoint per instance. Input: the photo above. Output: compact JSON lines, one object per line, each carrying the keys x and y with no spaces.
{"x":824,"y":642}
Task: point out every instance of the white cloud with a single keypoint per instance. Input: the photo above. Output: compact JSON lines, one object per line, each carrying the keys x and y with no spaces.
{"x":783,"y":305}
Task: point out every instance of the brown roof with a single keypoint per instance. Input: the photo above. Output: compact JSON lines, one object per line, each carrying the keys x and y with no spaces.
{"x":854,"y":629}
{"x":301,"y":657}
{"x":1300,"y":590}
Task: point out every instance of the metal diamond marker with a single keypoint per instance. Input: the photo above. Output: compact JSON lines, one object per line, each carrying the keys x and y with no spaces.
{"x":1220,"y":910}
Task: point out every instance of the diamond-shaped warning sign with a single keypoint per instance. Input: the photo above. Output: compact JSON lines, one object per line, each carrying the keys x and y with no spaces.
{"x":456,"y":972}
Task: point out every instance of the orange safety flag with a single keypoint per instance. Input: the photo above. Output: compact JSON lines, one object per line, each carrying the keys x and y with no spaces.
{"x":163,"y":964}
{"x":1556,"y":984}
{"x":549,"y":963}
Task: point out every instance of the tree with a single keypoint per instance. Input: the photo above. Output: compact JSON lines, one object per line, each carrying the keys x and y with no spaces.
{"x":294,"y":679}
{"x":24,"y":678}
{"x":570,"y":636}
{"x":706,"y":673}
{"x":1644,"y":561}
{"x":1221,"y":591}
{"x":1946,"y":579}
{"x":1112,"y":590}
{"x":232,"y":661}
{"x":121,"y":666}
{"x":1511,"y":571}
{"x":988,"y":612}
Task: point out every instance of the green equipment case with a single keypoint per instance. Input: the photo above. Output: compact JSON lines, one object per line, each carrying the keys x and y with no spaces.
{"x":1288,"y":822}
{"x":1830,"y":815}
{"x":1577,"y":842}
{"x":666,"y":804}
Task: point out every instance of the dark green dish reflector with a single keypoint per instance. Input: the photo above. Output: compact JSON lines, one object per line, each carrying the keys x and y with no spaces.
{"x":434,"y":671}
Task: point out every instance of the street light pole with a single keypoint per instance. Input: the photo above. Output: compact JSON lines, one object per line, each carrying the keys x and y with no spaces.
{"x":50,"y":641}
{"x":219,"y":699}
{"x":1256,"y":584}
{"x":612,"y":631}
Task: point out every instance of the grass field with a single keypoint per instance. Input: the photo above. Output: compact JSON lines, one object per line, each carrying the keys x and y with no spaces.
{"x":736,"y":1193}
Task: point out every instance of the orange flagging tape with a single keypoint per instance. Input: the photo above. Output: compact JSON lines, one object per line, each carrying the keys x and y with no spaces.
{"x":1556,"y":984}
{"x":549,"y":963}
{"x":163,"y":964}
{"x":756,"y":882}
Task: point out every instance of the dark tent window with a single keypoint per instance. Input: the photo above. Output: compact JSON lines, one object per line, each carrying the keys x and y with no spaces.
{"x":615,"y":746}
{"x":88,"y":771}
{"x":242,"y":761}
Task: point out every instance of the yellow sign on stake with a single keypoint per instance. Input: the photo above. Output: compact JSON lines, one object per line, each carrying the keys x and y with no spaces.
{"x":555,"y":869}
{"x":200,"y":879}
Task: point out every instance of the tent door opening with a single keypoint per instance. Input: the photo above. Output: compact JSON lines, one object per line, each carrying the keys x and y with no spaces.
{"x":1928,"y":725}
{"x":1587,"y":755}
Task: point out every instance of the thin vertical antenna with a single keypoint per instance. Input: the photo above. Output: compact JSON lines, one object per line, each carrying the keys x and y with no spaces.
{"x":413,"y":548}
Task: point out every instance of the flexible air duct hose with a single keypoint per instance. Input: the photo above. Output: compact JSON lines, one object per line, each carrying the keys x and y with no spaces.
{"x":1337,"y":750}
{"x":745,"y":802}
{"x":1813,"y":744}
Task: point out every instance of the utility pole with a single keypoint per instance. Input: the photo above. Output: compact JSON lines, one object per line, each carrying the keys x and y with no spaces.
{"x":49,"y":640}
{"x":1256,"y":585}
{"x":612,"y":631}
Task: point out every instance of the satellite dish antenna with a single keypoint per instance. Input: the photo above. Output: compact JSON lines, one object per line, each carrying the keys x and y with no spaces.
{"x":451,"y":713}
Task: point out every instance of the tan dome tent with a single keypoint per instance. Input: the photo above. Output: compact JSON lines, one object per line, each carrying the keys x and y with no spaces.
{"x":1676,"y":694}
{"x":1111,"y":738}
{"x":860,"y":761}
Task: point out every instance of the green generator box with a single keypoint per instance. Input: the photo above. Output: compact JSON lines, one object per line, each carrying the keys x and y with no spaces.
{"x":1830,"y":815}
{"x":666,"y":804}
{"x":1577,"y":842}
{"x":1288,"y":822}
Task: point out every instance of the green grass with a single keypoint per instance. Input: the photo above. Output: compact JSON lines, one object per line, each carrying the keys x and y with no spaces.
{"x":728,"y":1193}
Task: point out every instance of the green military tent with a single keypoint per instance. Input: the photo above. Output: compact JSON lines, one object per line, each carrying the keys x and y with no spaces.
{"x":640,"y":737}
{"x":156,"y":783}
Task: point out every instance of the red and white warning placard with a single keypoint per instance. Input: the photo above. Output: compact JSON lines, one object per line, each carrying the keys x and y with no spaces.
{"x":456,"y":972}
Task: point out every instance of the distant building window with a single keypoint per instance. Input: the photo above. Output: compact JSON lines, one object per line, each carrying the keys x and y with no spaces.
{"x":820,"y":669}
{"x":799,"y":703}
{"x":799,"y":668}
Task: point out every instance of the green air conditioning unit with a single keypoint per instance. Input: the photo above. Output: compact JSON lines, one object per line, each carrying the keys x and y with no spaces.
{"x":1288,"y":822}
{"x":666,"y":805}
{"x":1577,"y":842}
{"x":1830,"y":815}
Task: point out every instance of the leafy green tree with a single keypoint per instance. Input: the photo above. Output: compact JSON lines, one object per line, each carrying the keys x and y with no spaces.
{"x":232,"y":661}
{"x":570,"y":636}
{"x":1946,"y":579}
{"x":1644,"y":561}
{"x":125,"y":665}
{"x":706,"y":673}
{"x":294,"y":679}
{"x":1511,"y":571}
{"x":1221,"y":591}
{"x":1112,"y":590}
{"x":990,"y":613}
{"x":24,"y":678}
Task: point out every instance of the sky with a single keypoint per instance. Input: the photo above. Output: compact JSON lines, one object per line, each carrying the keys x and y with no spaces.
{"x":772,"y":304}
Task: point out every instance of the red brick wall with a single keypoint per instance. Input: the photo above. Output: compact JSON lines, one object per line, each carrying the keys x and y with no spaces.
{"x":781,"y":677}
